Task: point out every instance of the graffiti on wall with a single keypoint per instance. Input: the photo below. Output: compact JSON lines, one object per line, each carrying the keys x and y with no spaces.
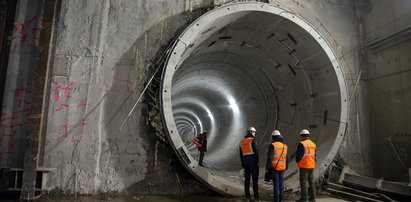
{"x":15,"y":118}
{"x":25,"y":34}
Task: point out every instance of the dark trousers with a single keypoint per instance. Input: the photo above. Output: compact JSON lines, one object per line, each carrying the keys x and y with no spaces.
{"x":307,"y":177}
{"x":251,"y":171}
{"x":278,"y":184}
{"x":200,"y":162}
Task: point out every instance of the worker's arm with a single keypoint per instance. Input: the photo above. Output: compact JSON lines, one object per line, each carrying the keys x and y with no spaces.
{"x":300,"y":152}
{"x":269,"y":157}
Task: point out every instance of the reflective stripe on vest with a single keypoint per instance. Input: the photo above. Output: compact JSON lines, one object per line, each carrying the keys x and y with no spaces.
{"x":197,"y":141}
{"x":308,"y":160}
{"x":246,"y":147}
{"x":279,"y":159}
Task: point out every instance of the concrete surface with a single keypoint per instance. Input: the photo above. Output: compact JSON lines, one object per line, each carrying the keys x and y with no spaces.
{"x":252,"y":64}
{"x":102,"y":59}
{"x":187,"y":198}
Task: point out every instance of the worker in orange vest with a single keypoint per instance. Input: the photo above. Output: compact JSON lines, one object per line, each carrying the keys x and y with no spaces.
{"x":249,"y":161}
{"x":277,"y":164}
{"x":306,"y":157}
{"x":201,"y":142}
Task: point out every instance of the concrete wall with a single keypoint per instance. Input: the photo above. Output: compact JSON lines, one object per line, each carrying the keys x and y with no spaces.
{"x":338,"y":22}
{"x":100,"y":65}
{"x":388,"y":74}
{"x":104,"y":52}
{"x":17,"y":95}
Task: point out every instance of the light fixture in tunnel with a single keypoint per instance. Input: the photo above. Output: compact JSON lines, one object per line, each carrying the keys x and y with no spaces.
{"x":251,"y":64}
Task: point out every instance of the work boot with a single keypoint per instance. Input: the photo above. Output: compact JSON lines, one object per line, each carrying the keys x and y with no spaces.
{"x":311,"y":199}
{"x":257,"y":200}
{"x":247,"y":200}
{"x":301,"y":200}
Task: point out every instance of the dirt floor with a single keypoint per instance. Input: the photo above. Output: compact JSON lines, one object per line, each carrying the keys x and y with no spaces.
{"x":146,"y":198}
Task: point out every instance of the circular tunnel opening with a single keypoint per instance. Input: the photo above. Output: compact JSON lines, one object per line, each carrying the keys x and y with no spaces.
{"x":251,"y":64}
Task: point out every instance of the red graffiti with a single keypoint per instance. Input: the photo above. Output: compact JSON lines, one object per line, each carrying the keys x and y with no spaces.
{"x":61,"y":107}
{"x":54,"y":81}
{"x":19,"y":26}
{"x":9,"y":118}
{"x":22,"y":38}
{"x":22,"y":111}
{"x":65,"y":133}
{"x":31,"y":20}
{"x":20,"y":90}
{"x":20,"y":101}
{"x":25,"y":34}
{"x":329,"y":33}
{"x":34,"y":30}
{"x":13,"y":48}
{"x":82,"y":104}
{"x":13,"y":125}
{"x":298,"y":3}
{"x":11,"y":139}
{"x":11,"y":143}
{"x":10,"y":135}
{"x":60,"y":87}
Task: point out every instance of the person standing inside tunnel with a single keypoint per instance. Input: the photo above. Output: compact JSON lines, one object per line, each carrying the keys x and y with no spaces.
{"x":201,"y":142}
{"x":249,"y":161}
{"x":306,"y":157}
{"x":277,"y":164}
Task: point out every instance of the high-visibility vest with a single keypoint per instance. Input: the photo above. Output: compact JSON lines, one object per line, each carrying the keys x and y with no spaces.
{"x":279,"y":156}
{"x":308,"y":160}
{"x":246,"y":147}
{"x":197,"y":141}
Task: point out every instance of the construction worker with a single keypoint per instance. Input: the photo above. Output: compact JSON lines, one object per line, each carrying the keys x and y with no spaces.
{"x":306,"y":157}
{"x":249,"y":161}
{"x":201,"y":142}
{"x":277,"y":164}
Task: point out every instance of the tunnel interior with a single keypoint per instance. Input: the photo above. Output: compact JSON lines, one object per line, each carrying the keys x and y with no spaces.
{"x":254,"y":65}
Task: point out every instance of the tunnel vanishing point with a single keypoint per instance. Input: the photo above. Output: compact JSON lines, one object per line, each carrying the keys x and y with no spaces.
{"x":251,"y":64}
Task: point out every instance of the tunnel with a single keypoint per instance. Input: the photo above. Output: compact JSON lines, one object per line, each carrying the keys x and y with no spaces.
{"x":251,"y":64}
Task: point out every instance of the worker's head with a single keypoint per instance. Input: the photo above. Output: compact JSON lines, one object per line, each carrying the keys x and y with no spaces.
{"x":304,"y":134}
{"x":276,"y":136}
{"x":252,"y":131}
{"x":204,"y":132}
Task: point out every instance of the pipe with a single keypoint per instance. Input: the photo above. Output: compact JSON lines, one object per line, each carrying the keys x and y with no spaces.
{"x":251,"y":64}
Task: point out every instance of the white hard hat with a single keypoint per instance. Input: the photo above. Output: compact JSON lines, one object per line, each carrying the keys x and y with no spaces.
{"x":304,"y":132}
{"x":252,"y":129}
{"x":276,"y":133}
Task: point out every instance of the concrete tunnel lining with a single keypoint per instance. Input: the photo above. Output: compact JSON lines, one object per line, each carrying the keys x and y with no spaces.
{"x":251,"y":64}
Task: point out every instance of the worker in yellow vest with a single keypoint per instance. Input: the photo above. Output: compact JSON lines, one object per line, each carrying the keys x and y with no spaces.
{"x":277,"y":163}
{"x":249,"y":161}
{"x":306,"y":157}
